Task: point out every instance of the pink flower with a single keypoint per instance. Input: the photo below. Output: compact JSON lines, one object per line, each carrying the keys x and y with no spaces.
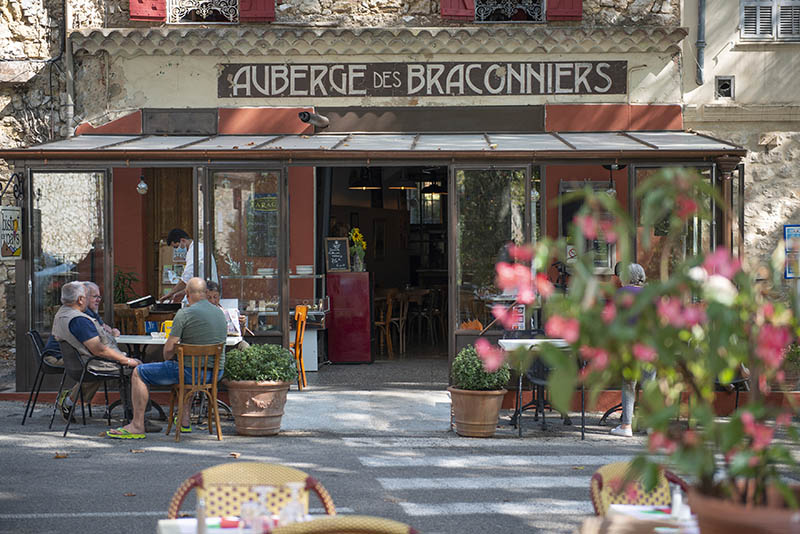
{"x":685,"y":206}
{"x":671,"y":312}
{"x":506,"y":277}
{"x":544,"y":286}
{"x":660,"y":442}
{"x":768,"y":310}
{"x":644,"y":353}
{"x":772,"y":342}
{"x":780,"y":376}
{"x":609,"y":231}
{"x":587,"y":225}
{"x":506,"y":316}
{"x":753,"y":461}
{"x":609,"y":313}
{"x":598,"y":358}
{"x":627,"y":299}
{"x":762,"y":436}
{"x":694,"y":314}
{"x":748,"y":421}
{"x":720,"y":262}
{"x":632,"y":492}
{"x":763,"y":385}
{"x":524,"y":253}
{"x":493,"y":357}
{"x":563,"y":327}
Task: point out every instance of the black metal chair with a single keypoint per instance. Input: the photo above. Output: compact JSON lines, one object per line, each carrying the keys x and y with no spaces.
{"x":537,"y":375}
{"x":44,"y":369}
{"x":78,"y":369}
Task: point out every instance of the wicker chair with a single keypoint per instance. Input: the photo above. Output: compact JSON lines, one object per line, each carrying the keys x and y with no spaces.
{"x":226,"y":486}
{"x":604,"y":494}
{"x":351,"y":524}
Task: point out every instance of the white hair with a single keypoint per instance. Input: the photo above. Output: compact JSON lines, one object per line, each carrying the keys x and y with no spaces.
{"x":91,"y":285}
{"x":72,"y":291}
{"x":636,"y":272}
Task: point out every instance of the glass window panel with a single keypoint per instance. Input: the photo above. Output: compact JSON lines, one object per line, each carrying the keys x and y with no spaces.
{"x":491,"y":204}
{"x":246,"y":220}
{"x":68,"y":238}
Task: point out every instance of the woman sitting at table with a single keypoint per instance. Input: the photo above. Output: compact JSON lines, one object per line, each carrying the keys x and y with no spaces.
{"x":232,"y":317}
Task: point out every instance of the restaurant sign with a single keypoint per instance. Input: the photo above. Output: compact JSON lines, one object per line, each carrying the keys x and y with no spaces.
{"x":11,"y":233}
{"x":258,"y":80}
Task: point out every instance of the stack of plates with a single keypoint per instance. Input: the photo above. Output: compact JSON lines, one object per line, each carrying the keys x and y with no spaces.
{"x":305,"y":269}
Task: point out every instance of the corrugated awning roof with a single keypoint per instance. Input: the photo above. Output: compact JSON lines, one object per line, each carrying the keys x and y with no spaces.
{"x":656,"y":145}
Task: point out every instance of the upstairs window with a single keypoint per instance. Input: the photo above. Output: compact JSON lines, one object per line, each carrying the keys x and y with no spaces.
{"x":512,"y":10}
{"x":203,"y":11}
{"x":770,"y":20}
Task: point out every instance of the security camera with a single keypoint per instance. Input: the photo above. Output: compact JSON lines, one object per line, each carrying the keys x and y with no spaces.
{"x":314,"y":119}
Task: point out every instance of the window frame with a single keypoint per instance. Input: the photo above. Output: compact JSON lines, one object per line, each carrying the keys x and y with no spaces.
{"x":775,"y":29}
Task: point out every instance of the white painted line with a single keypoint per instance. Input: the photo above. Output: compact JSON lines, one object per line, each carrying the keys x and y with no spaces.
{"x":534,"y":482}
{"x":547,"y":507}
{"x":445,"y":443}
{"x":461,"y":462}
{"x":162,"y":514}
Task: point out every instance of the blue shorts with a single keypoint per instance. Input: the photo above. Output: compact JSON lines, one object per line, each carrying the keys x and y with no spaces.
{"x":166,"y":373}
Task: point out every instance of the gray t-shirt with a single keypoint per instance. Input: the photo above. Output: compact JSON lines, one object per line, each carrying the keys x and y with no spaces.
{"x":202,"y":323}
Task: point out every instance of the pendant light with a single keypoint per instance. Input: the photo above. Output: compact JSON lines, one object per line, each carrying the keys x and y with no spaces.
{"x":362,"y":181}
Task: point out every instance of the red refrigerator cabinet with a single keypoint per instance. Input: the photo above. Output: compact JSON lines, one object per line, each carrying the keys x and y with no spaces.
{"x":350,"y":318}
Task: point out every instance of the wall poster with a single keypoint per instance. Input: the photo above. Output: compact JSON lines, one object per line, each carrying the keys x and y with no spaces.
{"x":11,"y":247}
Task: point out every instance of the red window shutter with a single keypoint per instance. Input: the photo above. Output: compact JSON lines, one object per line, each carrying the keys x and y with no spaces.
{"x":458,"y":9}
{"x":256,"y":10}
{"x":148,"y":9}
{"x":564,"y":9}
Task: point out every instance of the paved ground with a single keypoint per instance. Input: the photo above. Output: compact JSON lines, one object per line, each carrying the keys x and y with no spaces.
{"x":378,"y":437}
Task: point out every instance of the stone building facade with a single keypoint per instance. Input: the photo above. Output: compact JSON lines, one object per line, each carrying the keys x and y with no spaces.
{"x":113,"y":59}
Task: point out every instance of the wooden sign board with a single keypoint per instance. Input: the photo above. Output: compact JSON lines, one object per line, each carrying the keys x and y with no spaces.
{"x":337,"y":254}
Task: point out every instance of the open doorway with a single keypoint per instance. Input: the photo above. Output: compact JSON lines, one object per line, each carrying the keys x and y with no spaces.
{"x":402,"y":214}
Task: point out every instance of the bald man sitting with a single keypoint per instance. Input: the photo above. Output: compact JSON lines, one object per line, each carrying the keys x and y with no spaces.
{"x":201,"y":323}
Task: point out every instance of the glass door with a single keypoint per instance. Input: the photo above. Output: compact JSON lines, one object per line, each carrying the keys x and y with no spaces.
{"x":246,"y":213}
{"x":68,"y":239}
{"x":491,"y":207}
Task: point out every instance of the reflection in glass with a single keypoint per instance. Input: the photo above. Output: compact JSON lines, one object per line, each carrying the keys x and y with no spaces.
{"x":68,"y":240}
{"x":246,"y":218}
{"x":491,"y":206}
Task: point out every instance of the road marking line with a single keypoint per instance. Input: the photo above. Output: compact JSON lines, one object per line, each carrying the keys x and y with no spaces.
{"x":445,"y":443}
{"x":530,"y":482}
{"x":161,"y":513}
{"x":461,"y":462}
{"x":527,"y":508}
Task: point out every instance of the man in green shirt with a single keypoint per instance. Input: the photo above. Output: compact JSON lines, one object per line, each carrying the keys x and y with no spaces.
{"x":201,"y":323}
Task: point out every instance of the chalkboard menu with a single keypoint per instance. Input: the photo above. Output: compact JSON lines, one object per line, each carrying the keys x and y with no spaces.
{"x":262,"y":225}
{"x":337,"y":254}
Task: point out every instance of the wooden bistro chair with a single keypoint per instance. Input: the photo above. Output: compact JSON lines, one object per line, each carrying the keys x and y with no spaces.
{"x":130,"y":321}
{"x":300,"y":317}
{"x":44,"y":369}
{"x":227,"y":486}
{"x":604,"y":491}
{"x":199,"y":359}
{"x":347,"y":524}
{"x":400,"y":322}
{"x":384,"y":322}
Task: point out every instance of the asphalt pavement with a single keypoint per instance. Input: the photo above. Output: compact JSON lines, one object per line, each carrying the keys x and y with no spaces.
{"x":377,"y":436}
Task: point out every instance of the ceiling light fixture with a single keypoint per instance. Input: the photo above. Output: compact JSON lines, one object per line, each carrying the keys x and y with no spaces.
{"x":141,"y":187}
{"x":612,"y":190}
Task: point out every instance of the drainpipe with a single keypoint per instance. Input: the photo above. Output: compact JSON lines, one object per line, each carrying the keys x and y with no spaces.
{"x":701,"y":39}
{"x":68,"y":69}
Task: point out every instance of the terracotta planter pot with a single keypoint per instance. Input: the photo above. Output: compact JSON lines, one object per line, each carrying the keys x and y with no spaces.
{"x":723,"y":516}
{"x":476,"y":412}
{"x":257,"y":406}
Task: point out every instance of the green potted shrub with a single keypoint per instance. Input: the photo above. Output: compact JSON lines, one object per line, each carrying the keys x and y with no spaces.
{"x":258,"y":379}
{"x":476,"y":394}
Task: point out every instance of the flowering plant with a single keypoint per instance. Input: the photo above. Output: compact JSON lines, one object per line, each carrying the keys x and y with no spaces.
{"x":358,"y":244}
{"x":697,"y":325}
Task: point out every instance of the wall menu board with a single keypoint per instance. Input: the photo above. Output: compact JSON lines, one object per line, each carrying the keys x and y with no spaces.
{"x":337,"y":254}
{"x":262,"y":225}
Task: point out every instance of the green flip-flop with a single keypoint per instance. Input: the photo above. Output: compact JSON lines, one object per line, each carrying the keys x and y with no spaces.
{"x":184,"y":429}
{"x":121,"y":433}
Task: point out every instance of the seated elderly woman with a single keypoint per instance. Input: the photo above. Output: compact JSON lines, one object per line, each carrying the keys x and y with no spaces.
{"x":232,"y":318}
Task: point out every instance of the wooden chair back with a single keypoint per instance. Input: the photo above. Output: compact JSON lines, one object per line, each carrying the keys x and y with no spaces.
{"x":300,"y":317}
{"x":130,"y":321}
{"x":226,"y":486}
{"x":202,"y":364}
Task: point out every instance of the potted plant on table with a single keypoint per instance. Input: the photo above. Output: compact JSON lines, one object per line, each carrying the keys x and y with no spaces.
{"x":258,"y":380}
{"x":701,"y":320}
{"x":358,"y":247}
{"x":476,"y":394}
